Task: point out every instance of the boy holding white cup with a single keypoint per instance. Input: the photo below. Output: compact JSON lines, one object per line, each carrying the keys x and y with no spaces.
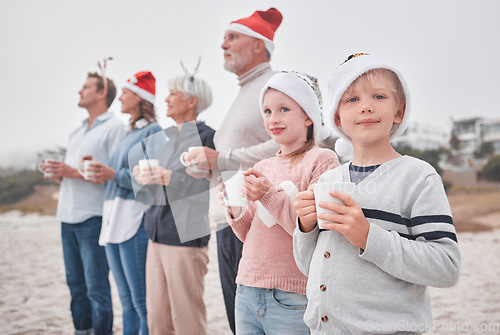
{"x":369,"y":266}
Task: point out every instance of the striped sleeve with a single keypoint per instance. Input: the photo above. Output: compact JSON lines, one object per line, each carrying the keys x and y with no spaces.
{"x":422,"y":249}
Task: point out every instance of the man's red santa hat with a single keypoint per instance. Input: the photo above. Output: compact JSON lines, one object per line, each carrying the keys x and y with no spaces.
{"x":261,"y":25}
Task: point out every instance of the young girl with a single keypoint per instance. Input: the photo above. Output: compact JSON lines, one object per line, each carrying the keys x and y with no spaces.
{"x":270,"y":296}
{"x":383,"y":246}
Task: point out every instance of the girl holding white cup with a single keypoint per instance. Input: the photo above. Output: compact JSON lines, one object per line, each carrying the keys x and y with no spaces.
{"x":291,"y":107}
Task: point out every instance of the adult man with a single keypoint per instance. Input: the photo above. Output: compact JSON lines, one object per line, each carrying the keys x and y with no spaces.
{"x":241,"y":140}
{"x":80,"y":209}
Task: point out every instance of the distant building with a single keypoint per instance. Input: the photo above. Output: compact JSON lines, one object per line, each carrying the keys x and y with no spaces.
{"x":472,"y":133}
{"x":423,"y":137}
{"x":468,"y":132}
{"x":490,"y":133}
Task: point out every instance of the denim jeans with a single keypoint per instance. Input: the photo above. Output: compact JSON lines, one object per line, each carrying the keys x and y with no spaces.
{"x":127,"y":261}
{"x":87,"y":276}
{"x":229,"y":249}
{"x":269,"y":311}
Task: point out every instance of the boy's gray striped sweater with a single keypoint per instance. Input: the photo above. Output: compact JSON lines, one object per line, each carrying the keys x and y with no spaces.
{"x":411,"y":244}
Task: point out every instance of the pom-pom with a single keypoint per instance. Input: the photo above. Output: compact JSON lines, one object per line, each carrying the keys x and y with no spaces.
{"x":343,"y":147}
{"x":324,"y":132}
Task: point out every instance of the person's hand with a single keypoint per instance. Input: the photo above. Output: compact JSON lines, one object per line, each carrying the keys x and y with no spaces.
{"x":153,"y":175}
{"x":51,"y":169}
{"x":204,"y":158}
{"x":197,"y":175}
{"x":137,"y":174}
{"x":255,"y":185}
{"x":348,"y":219}
{"x":101,"y":173}
{"x":305,"y":207}
{"x":233,"y":211}
{"x":59,"y":170}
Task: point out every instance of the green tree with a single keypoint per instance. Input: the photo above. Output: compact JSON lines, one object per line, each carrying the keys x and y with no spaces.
{"x":453,"y":149}
{"x":491,"y":171}
{"x":485,"y":150}
{"x":19,"y":185}
{"x":430,"y":156}
{"x":455,"y":143}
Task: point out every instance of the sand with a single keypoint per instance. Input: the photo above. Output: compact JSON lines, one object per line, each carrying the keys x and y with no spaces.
{"x":34,"y":298}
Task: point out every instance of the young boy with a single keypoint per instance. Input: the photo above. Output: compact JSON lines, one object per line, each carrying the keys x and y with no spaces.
{"x":370,"y":265}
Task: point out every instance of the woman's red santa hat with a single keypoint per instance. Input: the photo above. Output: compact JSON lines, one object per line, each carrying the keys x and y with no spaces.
{"x":143,"y":84}
{"x":261,"y":25}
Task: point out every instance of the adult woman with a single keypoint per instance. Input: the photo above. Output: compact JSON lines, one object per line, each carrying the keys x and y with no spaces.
{"x":177,"y":223}
{"x":122,"y":231}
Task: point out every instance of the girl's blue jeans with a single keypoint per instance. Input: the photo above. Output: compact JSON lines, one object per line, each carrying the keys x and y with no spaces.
{"x":269,"y":311}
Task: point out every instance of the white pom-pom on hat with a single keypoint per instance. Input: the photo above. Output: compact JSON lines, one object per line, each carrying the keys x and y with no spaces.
{"x":343,"y":147}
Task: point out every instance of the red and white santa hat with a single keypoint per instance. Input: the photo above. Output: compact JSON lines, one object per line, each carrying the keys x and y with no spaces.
{"x":261,"y":25}
{"x":142,"y":84}
{"x":304,"y":90}
{"x":346,"y":73}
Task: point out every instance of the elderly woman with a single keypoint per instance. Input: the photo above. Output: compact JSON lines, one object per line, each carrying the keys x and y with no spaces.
{"x":122,"y":231}
{"x":177,"y":222}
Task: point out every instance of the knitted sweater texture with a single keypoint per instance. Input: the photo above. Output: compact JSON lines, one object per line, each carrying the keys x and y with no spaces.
{"x":411,"y":245}
{"x":267,"y":259}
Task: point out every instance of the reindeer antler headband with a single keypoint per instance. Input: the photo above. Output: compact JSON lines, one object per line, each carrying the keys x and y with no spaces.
{"x":102,"y":67}
{"x":195,"y":71}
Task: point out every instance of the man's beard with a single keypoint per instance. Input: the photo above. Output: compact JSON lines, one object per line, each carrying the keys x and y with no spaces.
{"x":238,"y":61}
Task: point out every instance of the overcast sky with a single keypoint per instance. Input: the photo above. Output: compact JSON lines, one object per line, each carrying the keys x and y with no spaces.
{"x":449,"y":52}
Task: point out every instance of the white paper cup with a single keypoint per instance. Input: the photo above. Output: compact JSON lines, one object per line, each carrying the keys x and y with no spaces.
{"x":87,"y":175}
{"x":322,"y":193}
{"x":233,"y":182}
{"x":192,"y":168}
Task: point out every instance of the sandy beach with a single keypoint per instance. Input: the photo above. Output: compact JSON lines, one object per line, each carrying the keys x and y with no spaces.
{"x":34,"y":298}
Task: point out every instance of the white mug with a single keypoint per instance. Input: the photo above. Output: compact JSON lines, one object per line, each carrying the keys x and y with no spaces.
{"x":192,"y":168}
{"x":48,"y":163}
{"x":148,"y":163}
{"x":322,"y":193}
{"x":233,"y":182}
{"x":145,"y":165}
{"x":83,"y":170}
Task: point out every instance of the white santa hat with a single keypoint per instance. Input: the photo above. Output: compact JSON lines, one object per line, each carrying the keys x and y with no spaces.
{"x":304,"y":90}
{"x":340,"y":80}
{"x":142,"y":84}
{"x":261,"y":25}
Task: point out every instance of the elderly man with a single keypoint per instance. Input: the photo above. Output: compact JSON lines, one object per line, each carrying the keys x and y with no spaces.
{"x":80,"y":209}
{"x":241,"y":140}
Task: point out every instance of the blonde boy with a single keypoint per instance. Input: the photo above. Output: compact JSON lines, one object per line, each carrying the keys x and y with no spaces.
{"x":370,"y":265}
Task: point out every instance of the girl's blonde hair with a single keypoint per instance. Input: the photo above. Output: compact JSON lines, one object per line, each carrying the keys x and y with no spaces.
{"x":298,"y":154}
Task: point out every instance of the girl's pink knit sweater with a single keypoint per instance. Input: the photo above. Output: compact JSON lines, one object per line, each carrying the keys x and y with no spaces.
{"x":267,"y":259}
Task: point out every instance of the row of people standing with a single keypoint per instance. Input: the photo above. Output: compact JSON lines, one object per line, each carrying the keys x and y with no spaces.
{"x":241,"y":140}
{"x":111,"y":225}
